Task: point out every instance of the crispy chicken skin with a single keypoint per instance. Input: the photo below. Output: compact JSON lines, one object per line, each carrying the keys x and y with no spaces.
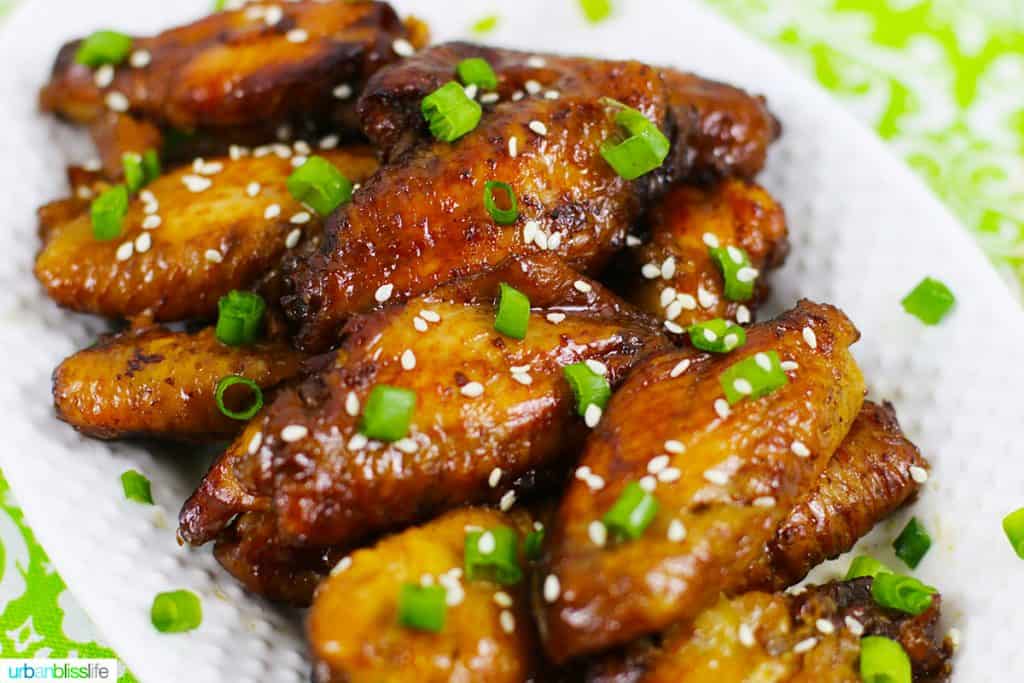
{"x":360,"y":640}
{"x":733,"y":212}
{"x":232,"y":72}
{"x":711,"y":647}
{"x":160,"y":383}
{"x":169,"y":272}
{"x":731,"y":487}
{"x":324,"y":489}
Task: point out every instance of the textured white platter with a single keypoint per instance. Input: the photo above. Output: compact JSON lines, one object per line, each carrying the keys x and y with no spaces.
{"x":864,"y":232}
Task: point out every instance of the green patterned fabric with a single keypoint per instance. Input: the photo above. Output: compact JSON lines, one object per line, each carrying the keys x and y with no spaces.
{"x":940,"y":80}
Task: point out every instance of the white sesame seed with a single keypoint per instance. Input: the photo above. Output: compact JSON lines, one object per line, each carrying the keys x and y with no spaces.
{"x":592,"y":415}
{"x":763,"y":361}
{"x":799,"y":449}
{"x":383,"y":292}
{"x":358,"y":442}
{"x":743,"y":386}
{"x":742,"y":315}
{"x":495,"y":477}
{"x":273,"y":15}
{"x":403,"y":48}
{"x":554,"y":240}
{"x":722,"y":408}
{"x":408,"y":359}
{"x":710,"y":240}
{"x":513,"y":146}
{"x":633,"y":241}
{"x":746,"y":635}
{"x":140,"y":59}
{"x":342,"y":91}
{"x":676,"y":531}
{"x":297,"y":35}
{"x":486,"y":543}
{"x":552,"y":95}
{"x":805,"y":645}
{"x":430,"y":316}
{"x":532,"y":87}
{"x":502,"y":599}
{"x":650,"y":271}
{"x":301,"y":218}
{"x":657,"y":463}
{"x":517,"y":95}
{"x":598,"y":533}
{"x":83,"y":192}
{"x":196,"y":183}
{"x":676,"y":447}
{"x":293,"y":433}
{"x":151,"y":222}
{"x":255,"y":442}
{"x":555,"y":318}
{"x":143,"y":242}
{"x":673,"y":327}
{"x":407,"y":445}
{"x":536,"y":62}
{"x":674,"y":310}
{"x":92,"y":165}
{"x":688,"y":302}
{"x":420,"y":324}
{"x":328,"y":142}
{"x":124,"y":251}
{"x":918,"y":474}
{"x":523,"y":378}
{"x":582,"y":286}
{"x":595,"y":482}
{"x":209,"y":168}
{"x":731,"y":341}
{"x":298,"y":160}
{"x":472,"y":390}
{"x":272,"y":211}
{"x":669,"y":475}
{"x":789,"y":365}
{"x":150,"y":208}
{"x":507,"y":501}
{"x":471,"y":90}
{"x":710,"y":335}
{"x":596,"y":366}
{"x":855,"y":627}
{"x":342,"y":565}
{"x":552,"y":588}
{"x":530,"y":230}
{"x":293,"y":237}
{"x":648,"y":483}
{"x":281,"y":151}
{"x":764,"y":502}
{"x":667,"y":296}
{"x":508,"y":621}
{"x":825,"y":626}
{"x":489,"y":97}
{"x":103,"y":76}
{"x":538,"y":127}
{"x":582,"y":472}
{"x":679,"y":368}
{"x":236,"y":152}
{"x":352,"y":404}
{"x":810,"y":338}
{"x":747,"y":274}
{"x":954,"y":637}
{"x":116,"y":101}
{"x":668,"y":268}
{"x":706,"y":298}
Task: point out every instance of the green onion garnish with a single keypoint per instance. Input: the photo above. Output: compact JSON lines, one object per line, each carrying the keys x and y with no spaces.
{"x":641,"y":152}
{"x":240,"y":317}
{"x":589,"y":387}
{"x":930,"y":301}
{"x":513,"y":314}
{"x":108,"y":212}
{"x":176,"y":611}
{"x":229,"y":381}
{"x":737,"y":272}
{"x":632,"y":512}
{"x":104,"y":47}
{"x":717,"y":336}
{"x":533,"y":543}
{"x":422,"y":607}
{"x":136,"y":487}
{"x":450,"y":113}
{"x":134,"y":176}
{"x":388,"y":413}
{"x":913,"y":543}
{"x":883,"y":660}
{"x":865,"y":565}
{"x":151,"y":167}
{"x":1013,"y":526}
{"x":753,"y":377}
{"x":501,"y":216}
{"x":319,"y":184}
{"x":485,"y":24}
{"x":904,"y":593}
{"x":218,"y":5}
{"x":596,"y":10}
{"x":490,"y":555}
{"x":476,"y":71}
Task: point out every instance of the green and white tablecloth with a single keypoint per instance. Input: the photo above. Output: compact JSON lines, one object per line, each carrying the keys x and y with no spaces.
{"x":940,"y":80}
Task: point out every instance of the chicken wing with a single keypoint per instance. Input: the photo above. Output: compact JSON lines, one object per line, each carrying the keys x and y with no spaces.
{"x":492,"y":414}
{"x":673,"y":275}
{"x":160,"y":383}
{"x":189,"y":238}
{"x":724,"y":479}
{"x":422,"y":219}
{"x":488,"y":632}
{"x":238,"y":75}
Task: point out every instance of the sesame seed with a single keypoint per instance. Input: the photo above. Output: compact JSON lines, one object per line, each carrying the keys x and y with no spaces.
{"x":592,"y":415}
{"x":407,"y":445}
{"x":706,"y":298}
{"x":582,"y":286}
{"x":196,"y":183}
{"x":150,"y":208}
{"x":799,"y":449}
{"x":735,"y":254}
{"x":650,"y":271}
{"x":408,"y":360}
{"x":507,"y":501}
{"x":668,"y":295}
{"x":342,"y":91}
{"x":954,"y":637}
{"x":487,"y":543}
{"x":742,"y":315}
{"x":633,"y":241}
{"x":490,"y":97}
{"x":495,"y":477}
{"x":595,"y":482}
{"x":300,"y":218}
{"x":236,"y":152}
{"x":825,"y":626}
{"x":805,"y":645}
{"x":598,"y":533}
{"x":746,"y":635}
{"x":522,"y":378}
{"x":552,"y":588}
{"x":140,"y":59}
{"x":298,"y":161}
{"x":208,"y":168}
{"x":764,"y":502}
{"x":328,"y":142}
{"x":383,"y":292}
{"x":679,"y":368}
{"x":552,"y":95}
{"x":143,"y":242}
{"x":517,"y":95}
{"x":668,"y":268}
{"x":281,"y":151}
{"x":648,"y":483}
{"x":103,"y":76}
{"x":297,"y":35}
{"x":810,"y":338}
{"x":541,"y":239}
{"x":420,"y":324}
{"x":293,"y":433}
{"x":513,"y":146}
{"x":471,"y":91}
{"x":124,"y":251}
{"x":343,"y":564}
{"x":673,"y":327}
{"x":427,"y":580}
{"x":676,"y":531}
{"x":555,"y":318}
{"x":532,"y":86}
{"x":763,"y":361}
{"x":743,"y":386}
{"x":855,"y":627}
{"x":530,"y":230}
{"x":582,"y":472}
{"x":731,"y":340}
{"x":358,"y":442}
{"x":538,"y":127}
{"x":536,"y":62}
{"x":669,"y":475}
{"x":710,"y":239}
{"x":151,"y":222}
{"x":430,"y":316}
{"x":502,"y":599}
{"x":722,"y":408}
{"x":789,"y":365}
{"x":352,"y":404}
{"x":657,"y":463}
{"x":673,"y":446}
{"x":116,"y":101}
{"x":710,"y":335}
{"x":554,"y":239}
{"x":472,"y":390}
{"x":403,"y":48}
{"x":747,"y":274}
{"x":918,"y":474}
{"x":293,"y":238}
{"x":674,"y":310}
{"x":83,"y":192}
{"x":272,"y":211}
{"x":596,"y":366}
{"x":688,"y":302}
{"x":255,"y":442}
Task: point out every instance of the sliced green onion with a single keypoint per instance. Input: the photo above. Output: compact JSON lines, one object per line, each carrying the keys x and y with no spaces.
{"x":1013,"y":527}
{"x":501,"y":216}
{"x":641,"y":152}
{"x":176,"y":611}
{"x":240,"y":317}
{"x":319,"y":184}
{"x":883,"y":660}
{"x":485,"y":24}
{"x":218,"y":5}
{"x":865,"y":565}
{"x":596,"y":11}
{"x":717,"y":336}
{"x":533,"y":543}
{"x":108,"y":212}
{"x":513,"y":314}
{"x":388,"y":413}
{"x":104,"y":47}
{"x":930,"y":301}
{"x":151,"y":167}
{"x":450,"y":113}
{"x":737,"y":271}
{"x":229,"y":381}
{"x":589,"y":387}
{"x":753,"y":377}
{"x":476,"y":71}
{"x":632,"y":512}
{"x":491,"y":555}
{"x":422,"y":607}
{"x":912,"y":543}
{"x":136,"y":487}
{"x":134,"y":176}
{"x":903,"y":593}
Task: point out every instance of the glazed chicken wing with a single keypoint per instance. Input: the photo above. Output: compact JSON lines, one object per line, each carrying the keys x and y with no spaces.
{"x":724,"y":478}
{"x":488,"y":632}
{"x":238,"y":75}
{"x":188,"y":238}
{"x":492,"y":414}
{"x":422,"y":219}
{"x":160,"y":383}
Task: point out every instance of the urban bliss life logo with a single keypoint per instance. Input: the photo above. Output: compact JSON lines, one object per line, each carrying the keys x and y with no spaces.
{"x":58,"y":670}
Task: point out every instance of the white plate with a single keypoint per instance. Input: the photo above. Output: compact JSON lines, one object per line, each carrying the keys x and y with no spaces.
{"x":864,"y":232}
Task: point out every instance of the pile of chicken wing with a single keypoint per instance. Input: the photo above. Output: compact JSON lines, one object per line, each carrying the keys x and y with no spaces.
{"x":398,"y":287}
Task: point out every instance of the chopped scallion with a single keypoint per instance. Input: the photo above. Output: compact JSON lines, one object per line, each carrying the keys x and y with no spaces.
{"x":136,"y":487}
{"x":717,"y":335}
{"x":641,"y":152}
{"x":632,"y":512}
{"x":737,"y":272}
{"x":912,"y":543}
{"x":492,"y":555}
{"x":450,"y":113}
{"x":513,"y":314}
{"x":107,"y":213}
{"x":588,"y":387}
{"x":422,"y":608}
{"x":1013,"y":527}
{"x":865,"y":565}
{"x":176,"y":611}
{"x":476,"y":71}
{"x":753,"y":377}
{"x":883,"y":660}
{"x":929,"y":301}
{"x":388,"y":413}
{"x":903,"y":593}
{"x":104,"y":47}
{"x":501,"y":216}
{"x":319,"y":184}
{"x":240,"y":317}
{"x":252,"y":407}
